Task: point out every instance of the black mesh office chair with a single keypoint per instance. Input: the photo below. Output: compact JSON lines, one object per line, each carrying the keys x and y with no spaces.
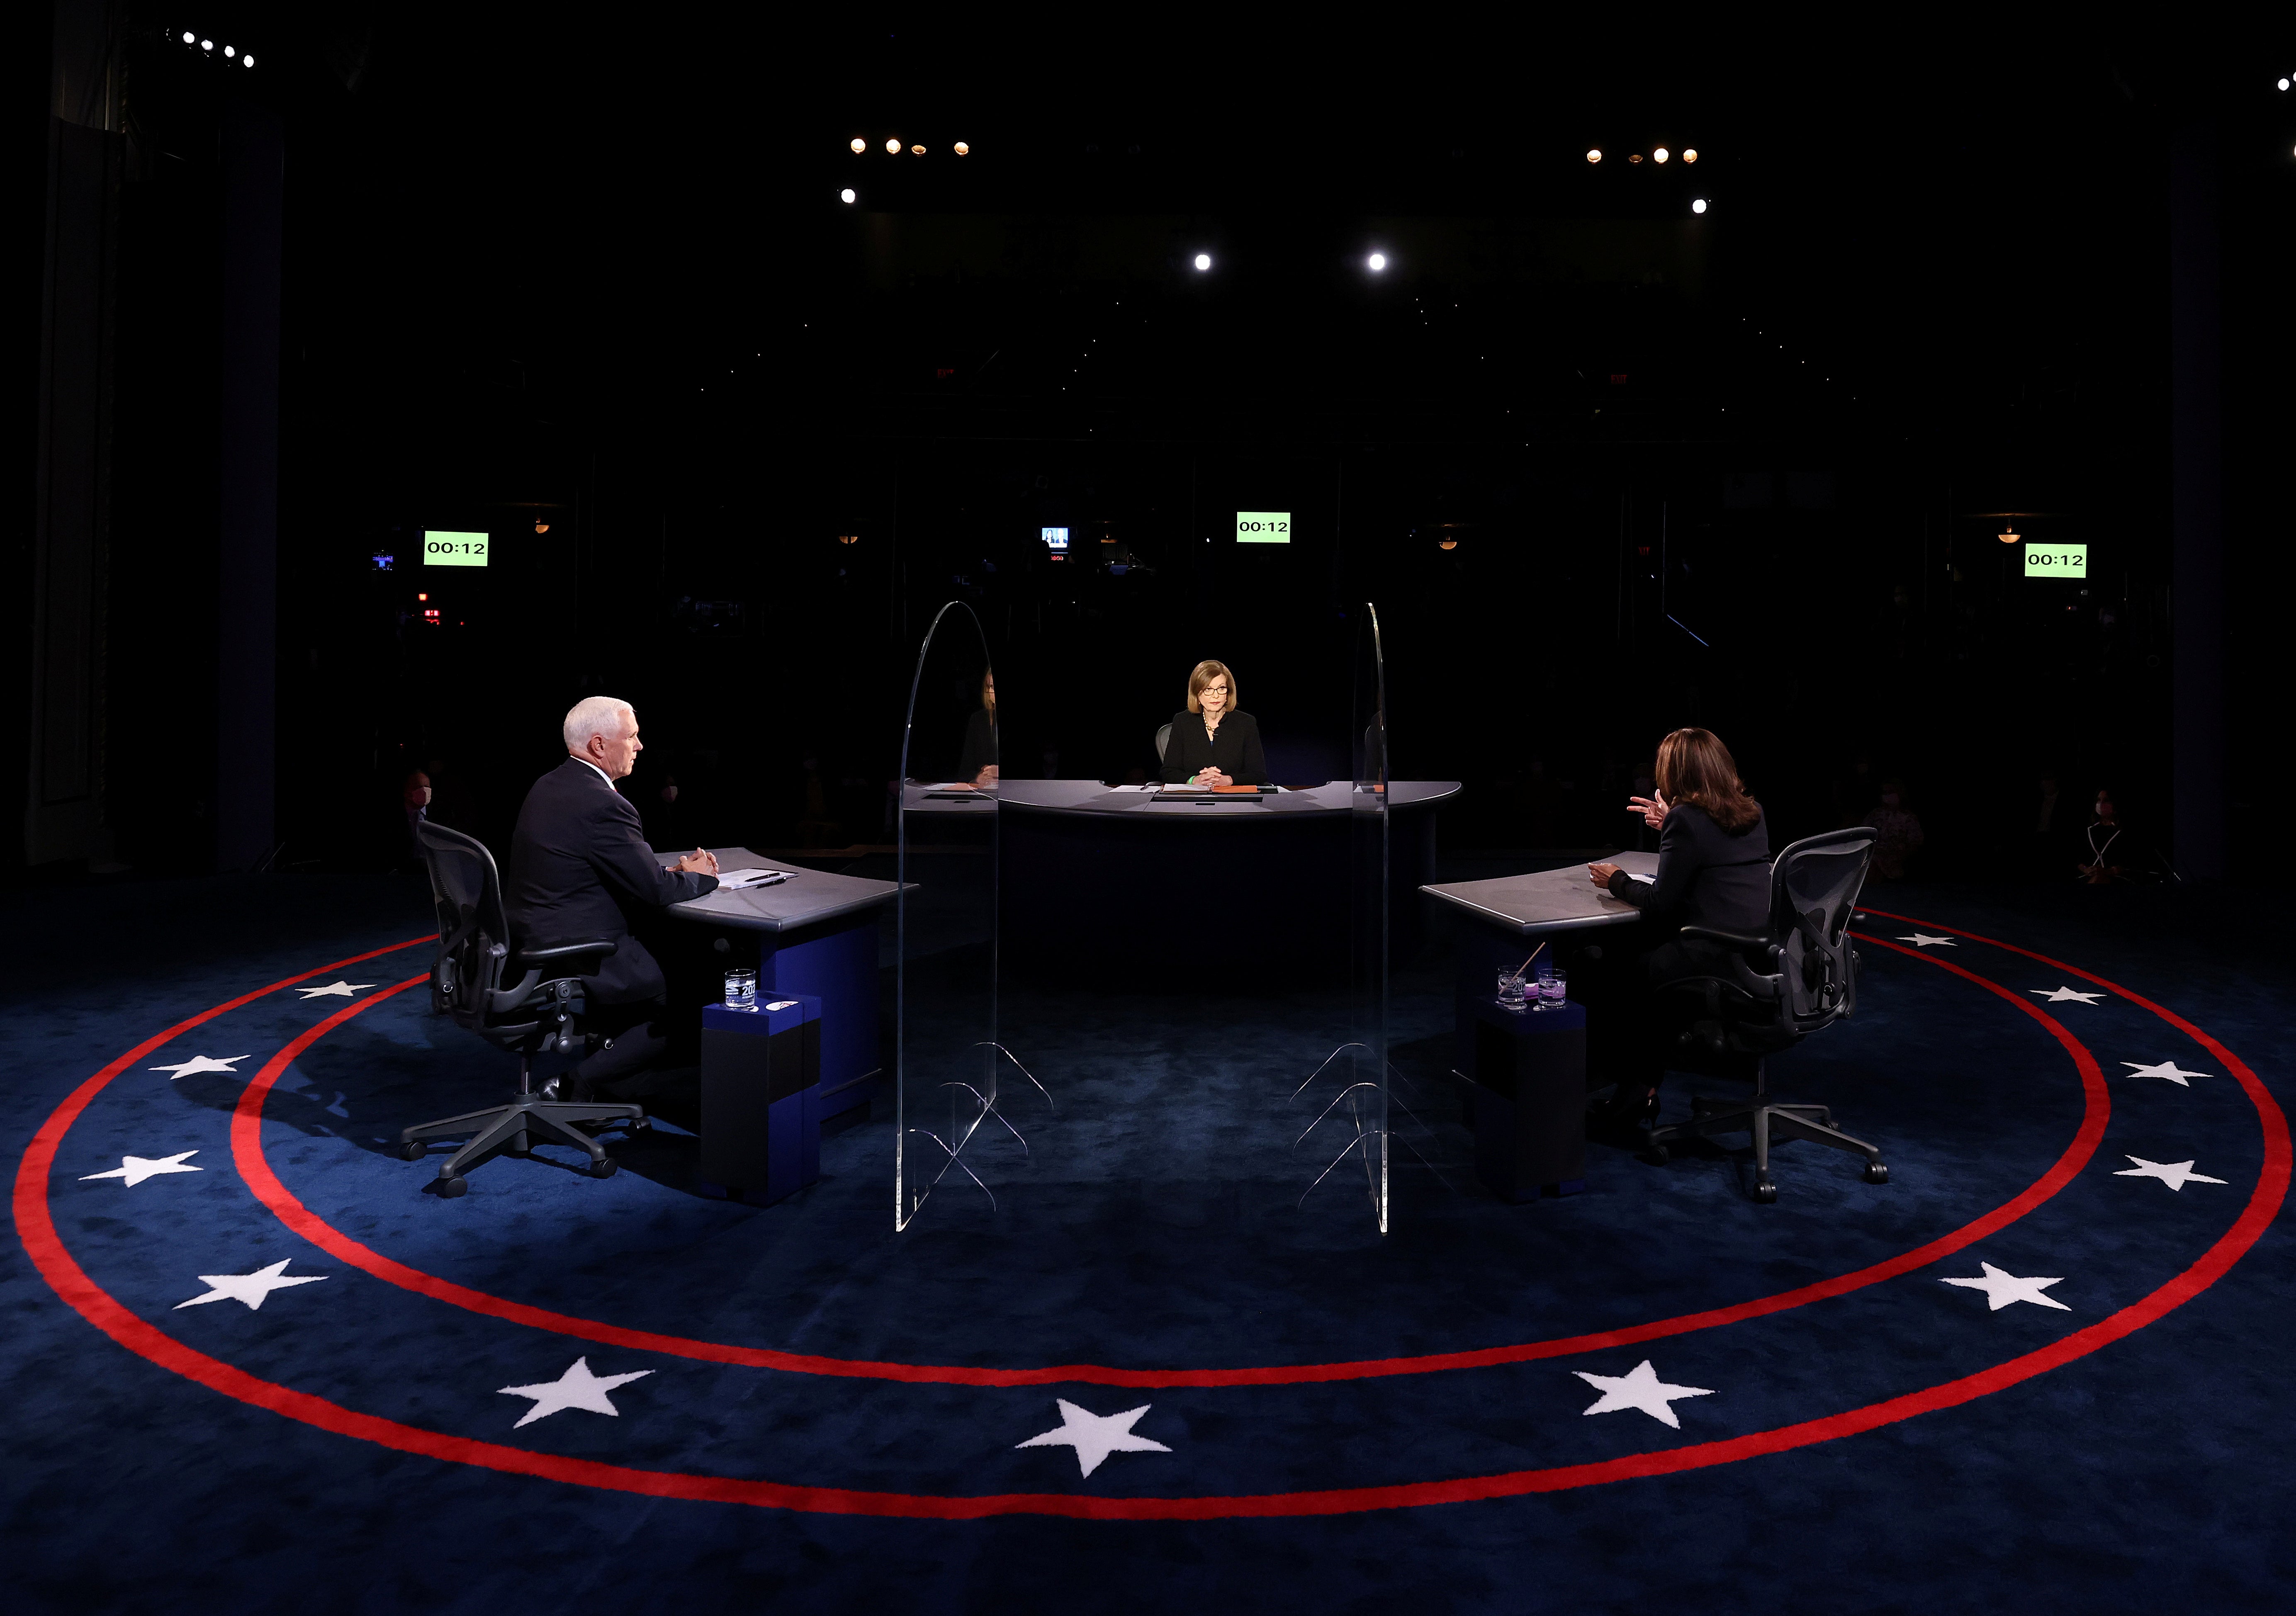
{"x":541,"y":1010}
{"x":1780,"y":989}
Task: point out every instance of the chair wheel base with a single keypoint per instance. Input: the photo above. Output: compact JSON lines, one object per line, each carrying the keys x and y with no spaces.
{"x":1766,"y":1192}
{"x":1875,"y":1173}
{"x":604,"y":1167}
{"x":450,"y":1189}
{"x":413,"y":1149}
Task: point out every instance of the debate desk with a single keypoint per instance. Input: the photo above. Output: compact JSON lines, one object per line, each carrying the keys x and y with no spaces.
{"x":814,"y":934}
{"x":1145,"y":889}
{"x":1525,"y":1072}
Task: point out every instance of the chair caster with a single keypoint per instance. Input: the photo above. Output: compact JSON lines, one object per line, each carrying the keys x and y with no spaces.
{"x":413,"y":1149}
{"x":604,"y":1167}
{"x":1875,"y":1173}
{"x":454,"y":1188}
{"x":1766,"y":1192}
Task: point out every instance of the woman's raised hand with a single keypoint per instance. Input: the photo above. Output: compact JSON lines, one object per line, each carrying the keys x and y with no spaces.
{"x":1652,"y":808}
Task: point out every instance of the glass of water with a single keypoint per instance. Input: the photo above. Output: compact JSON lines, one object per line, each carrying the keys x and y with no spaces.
{"x":1511,"y":992}
{"x":741,"y":989}
{"x":1553,"y":988}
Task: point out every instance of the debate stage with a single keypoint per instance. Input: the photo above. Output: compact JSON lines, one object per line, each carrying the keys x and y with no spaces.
{"x":2044,"y":1349}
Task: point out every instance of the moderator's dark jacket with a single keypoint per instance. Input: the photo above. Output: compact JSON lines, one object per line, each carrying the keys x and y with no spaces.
{"x":1236,"y":749}
{"x":579,"y":867}
{"x":1706,"y":877}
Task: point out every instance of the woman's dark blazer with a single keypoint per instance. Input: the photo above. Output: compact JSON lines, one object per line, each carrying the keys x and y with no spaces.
{"x":1234,"y":747}
{"x":1706,"y":877}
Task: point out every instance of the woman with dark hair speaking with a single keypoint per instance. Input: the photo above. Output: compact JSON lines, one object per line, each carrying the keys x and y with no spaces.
{"x":1713,"y":871}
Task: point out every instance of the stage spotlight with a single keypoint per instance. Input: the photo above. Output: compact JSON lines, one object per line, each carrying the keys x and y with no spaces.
{"x":961,"y":148}
{"x":845,"y":195}
{"x":1594,"y":154}
{"x":2010,"y":538}
{"x":1699,"y":206}
{"x":1660,"y":155}
{"x":916,"y":151}
{"x":892,"y":148}
{"x":1376,"y":262}
{"x":2283,"y":83}
{"x":207,"y":44}
{"x":859,"y":145}
{"x":1634,"y":157}
{"x":229,"y":53}
{"x":194,"y":39}
{"x":1691,"y":155}
{"x":1203,"y":260}
{"x":541,"y":527}
{"x":247,"y":61}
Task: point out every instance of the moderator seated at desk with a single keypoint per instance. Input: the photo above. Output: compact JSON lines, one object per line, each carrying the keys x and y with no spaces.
{"x":1210,"y":743}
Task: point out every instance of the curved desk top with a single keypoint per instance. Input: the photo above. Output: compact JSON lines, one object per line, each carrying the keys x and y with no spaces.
{"x":1090,"y":797}
{"x":1547,"y":900}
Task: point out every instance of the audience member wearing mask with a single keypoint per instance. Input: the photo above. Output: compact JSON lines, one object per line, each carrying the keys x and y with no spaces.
{"x":1897,"y":832}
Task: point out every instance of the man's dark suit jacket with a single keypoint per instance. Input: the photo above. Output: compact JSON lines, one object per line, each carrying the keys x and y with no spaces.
{"x":579,"y":867}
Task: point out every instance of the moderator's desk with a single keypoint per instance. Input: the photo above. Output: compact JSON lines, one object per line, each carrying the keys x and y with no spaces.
{"x":814,"y":933}
{"x":1098,"y":880}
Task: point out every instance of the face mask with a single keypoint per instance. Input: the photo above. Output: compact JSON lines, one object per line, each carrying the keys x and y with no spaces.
{"x":1888,"y":798}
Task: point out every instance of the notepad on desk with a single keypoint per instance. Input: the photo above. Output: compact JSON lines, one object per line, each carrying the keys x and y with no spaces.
{"x":741,"y":881}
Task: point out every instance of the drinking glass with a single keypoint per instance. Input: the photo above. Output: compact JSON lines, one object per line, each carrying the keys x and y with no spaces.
{"x":1511,"y":992}
{"x":1554,"y":987}
{"x":741,"y":989}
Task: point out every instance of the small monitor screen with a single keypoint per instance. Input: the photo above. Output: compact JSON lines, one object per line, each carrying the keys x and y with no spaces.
{"x":444,"y":549}
{"x":2056,"y":561}
{"x":1263,"y":527}
{"x":1057,"y":539}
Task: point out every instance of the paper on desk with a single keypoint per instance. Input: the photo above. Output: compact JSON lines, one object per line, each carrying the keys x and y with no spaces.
{"x":740,"y":878}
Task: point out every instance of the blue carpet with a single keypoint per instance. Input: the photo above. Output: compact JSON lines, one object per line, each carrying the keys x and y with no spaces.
{"x":1152,"y":1224}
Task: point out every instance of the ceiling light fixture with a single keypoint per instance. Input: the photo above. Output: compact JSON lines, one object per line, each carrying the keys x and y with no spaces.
{"x":859,"y":145}
{"x":846,"y":195}
{"x":1690,"y":155}
{"x":916,"y":151}
{"x":1377,"y":262}
{"x":892,"y":148}
{"x":1661,"y":154}
{"x":961,"y":148}
{"x":1699,"y":206}
{"x":1594,"y":154}
{"x":1203,"y":260}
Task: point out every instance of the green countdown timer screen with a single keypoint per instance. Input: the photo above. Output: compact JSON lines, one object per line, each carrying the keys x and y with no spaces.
{"x":2056,"y":561}
{"x":441,"y":549}
{"x":1263,"y":527}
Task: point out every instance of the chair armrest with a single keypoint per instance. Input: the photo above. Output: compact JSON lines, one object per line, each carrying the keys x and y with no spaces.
{"x":567,"y":951}
{"x":1736,"y":940}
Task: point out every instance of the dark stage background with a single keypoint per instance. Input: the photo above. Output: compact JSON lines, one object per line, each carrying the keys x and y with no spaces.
{"x":1738,"y":469}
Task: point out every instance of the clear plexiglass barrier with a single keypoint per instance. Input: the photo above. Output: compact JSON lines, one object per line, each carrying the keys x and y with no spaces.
{"x":952,"y":1077}
{"x":1349,"y":1099}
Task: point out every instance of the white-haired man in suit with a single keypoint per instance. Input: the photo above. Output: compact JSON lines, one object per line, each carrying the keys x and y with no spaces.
{"x":581,"y":869}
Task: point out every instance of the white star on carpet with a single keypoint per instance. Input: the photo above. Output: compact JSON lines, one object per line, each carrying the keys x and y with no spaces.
{"x":135,"y":1170}
{"x":199,"y":1063}
{"x":2060,"y":995}
{"x":339,"y":989}
{"x":2175,"y":1175}
{"x":1639,"y":1388}
{"x":2169,"y":1070}
{"x":577,"y":1388}
{"x":250,"y":1288}
{"x":1922,"y":939}
{"x":1096,"y":1436}
{"x":2002,"y":1289}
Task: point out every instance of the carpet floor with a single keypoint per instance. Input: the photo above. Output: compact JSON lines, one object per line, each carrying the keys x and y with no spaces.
{"x":1149,"y":1360}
